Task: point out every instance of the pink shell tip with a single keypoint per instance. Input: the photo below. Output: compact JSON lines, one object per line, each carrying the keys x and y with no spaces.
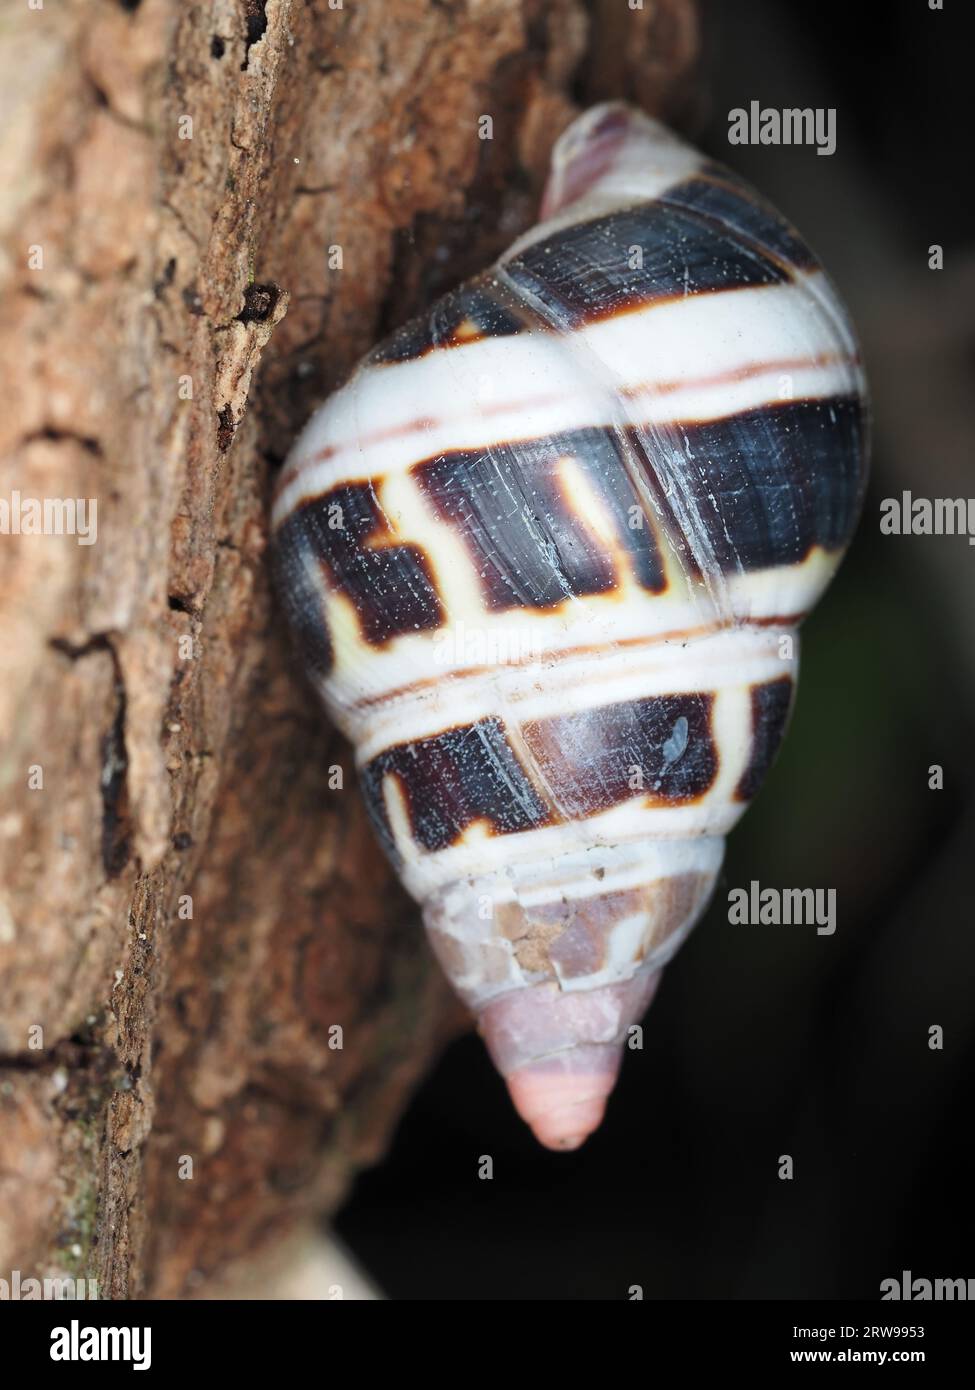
{"x":562,"y":1109}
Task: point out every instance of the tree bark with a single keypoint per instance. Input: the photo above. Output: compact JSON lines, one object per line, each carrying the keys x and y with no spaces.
{"x":189,"y":905}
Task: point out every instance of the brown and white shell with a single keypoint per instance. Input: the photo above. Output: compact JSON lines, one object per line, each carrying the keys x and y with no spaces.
{"x":541,"y":552}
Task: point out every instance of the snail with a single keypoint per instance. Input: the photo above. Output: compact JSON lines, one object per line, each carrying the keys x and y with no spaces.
{"x":544,"y":555}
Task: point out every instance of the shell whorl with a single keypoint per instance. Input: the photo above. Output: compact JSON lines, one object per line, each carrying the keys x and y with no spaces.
{"x":540,"y":553}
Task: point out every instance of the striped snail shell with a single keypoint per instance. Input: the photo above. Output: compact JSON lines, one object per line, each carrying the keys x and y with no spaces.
{"x":540,"y":553}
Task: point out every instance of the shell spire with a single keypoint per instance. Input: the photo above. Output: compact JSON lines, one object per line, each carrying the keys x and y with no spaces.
{"x":545,"y":554}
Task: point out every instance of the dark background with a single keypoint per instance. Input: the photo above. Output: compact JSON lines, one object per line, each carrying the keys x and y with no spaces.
{"x":772,"y":1040}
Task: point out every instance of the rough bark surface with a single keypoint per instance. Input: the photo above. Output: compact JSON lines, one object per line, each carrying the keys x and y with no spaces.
{"x":188,"y":905}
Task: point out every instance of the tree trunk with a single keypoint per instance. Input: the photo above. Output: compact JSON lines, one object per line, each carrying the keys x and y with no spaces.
{"x":215,"y":999}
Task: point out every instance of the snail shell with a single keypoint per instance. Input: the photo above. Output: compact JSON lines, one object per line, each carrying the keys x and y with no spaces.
{"x":540,"y":552}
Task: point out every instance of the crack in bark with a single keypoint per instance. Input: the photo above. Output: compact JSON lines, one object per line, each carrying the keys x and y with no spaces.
{"x":116,"y":814}
{"x":51,"y":434}
{"x":255,"y":18}
{"x":75,"y":651}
